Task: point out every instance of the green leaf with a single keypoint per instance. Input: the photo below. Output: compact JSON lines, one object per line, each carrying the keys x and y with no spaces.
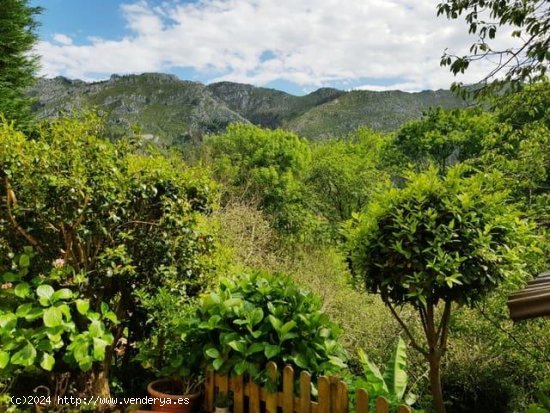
{"x":82,"y":306}
{"x":237,"y":345}
{"x":53,"y":317}
{"x":8,"y":321}
{"x":287,"y":327}
{"x":4,"y":359}
{"x":256,"y":316}
{"x":109,"y":315}
{"x":23,"y":310}
{"x":212,"y":353}
{"x":300,"y":361}
{"x":22,"y":290}
{"x":275,"y":322}
{"x":271,"y":351}
{"x":63,"y":294}
{"x":24,"y":357}
{"x":254,"y":348}
{"x":395,"y":374}
{"x":45,"y":291}
{"x":99,"y":349}
{"x":372,"y":373}
{"x":217,"y":364}
{"x":34,"y":313}
{"x":47,"y":362}
{"x":241,"y":367}
{"x":96,"y":328}
{"x":24,"y":260}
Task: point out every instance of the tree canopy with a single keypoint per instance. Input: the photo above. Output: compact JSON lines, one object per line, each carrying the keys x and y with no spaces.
{"x":439,"y":240}
{"x":527,"y":61}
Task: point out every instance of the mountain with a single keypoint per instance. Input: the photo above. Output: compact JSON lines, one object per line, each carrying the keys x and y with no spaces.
{"x":173,"y":111}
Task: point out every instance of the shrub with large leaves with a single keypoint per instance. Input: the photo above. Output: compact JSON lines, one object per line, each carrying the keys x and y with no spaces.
{"x":260,"y":318}
{"x":43,"y":322}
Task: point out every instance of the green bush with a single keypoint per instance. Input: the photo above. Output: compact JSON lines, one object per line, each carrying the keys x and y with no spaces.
{"x":123,"y":217}
{"x":266,"y":166}
{"x":258,"y":318}
{"x":47,"y":324}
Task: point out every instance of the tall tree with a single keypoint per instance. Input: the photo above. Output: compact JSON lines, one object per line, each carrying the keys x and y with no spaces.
{"x":17,"y":63}
{"x":527,"y":61}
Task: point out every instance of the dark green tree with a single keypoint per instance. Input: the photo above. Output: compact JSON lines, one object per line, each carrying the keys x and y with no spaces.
{"x":526,"y":62}
{"x":17,"y":63}
{"x":437,"y":242}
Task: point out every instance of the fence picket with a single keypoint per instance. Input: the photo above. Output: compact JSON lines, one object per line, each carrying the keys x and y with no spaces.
{"x":238,"y":394}
{"x":288,"y":390}
{"x":324,"y":395}
{"x":342,"y":397}
{"x":382,"y":405}
{"x":305,"y":392}
{"x":210,"y":387}
{"x":271,"y":397}
{"x":362,"y":403}
{"x":333,"y":394}
{"x":253,"y":397}
{"x":222,"y":382}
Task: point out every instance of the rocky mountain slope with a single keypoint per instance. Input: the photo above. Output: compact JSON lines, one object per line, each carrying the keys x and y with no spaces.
{"x":173,"y":111}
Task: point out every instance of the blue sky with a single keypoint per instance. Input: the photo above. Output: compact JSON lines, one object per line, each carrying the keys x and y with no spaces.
{"x":292,"y":45}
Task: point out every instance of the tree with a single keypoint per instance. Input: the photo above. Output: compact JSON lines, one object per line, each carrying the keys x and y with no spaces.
{"x":344,"y":174}
{"x":527,"y":62}
{"x":437,"y":242}
{"x":17,"y":64}
{"x":263,"y":165}
{"x":444,"y":137}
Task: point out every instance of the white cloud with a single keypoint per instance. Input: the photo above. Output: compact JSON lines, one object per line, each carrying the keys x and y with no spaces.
{"x":62,"y":39}
{"x":310,"y":42}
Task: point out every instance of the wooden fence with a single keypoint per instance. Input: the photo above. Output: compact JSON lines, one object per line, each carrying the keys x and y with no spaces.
{"x":252,"y":398}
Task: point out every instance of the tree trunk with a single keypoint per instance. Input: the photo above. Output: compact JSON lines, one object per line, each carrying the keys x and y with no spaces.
{"x":435,"y":382}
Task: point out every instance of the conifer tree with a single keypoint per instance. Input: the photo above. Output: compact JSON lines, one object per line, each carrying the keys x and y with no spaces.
{"x":18,"y":64}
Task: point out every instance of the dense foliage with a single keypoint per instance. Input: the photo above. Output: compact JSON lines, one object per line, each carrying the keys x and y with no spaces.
{"x":117,"y":220}
{"x":42,"y":326}
{"x":266,"y":166}
{"x":436,"y":242}
{"x":258,"y":318}
{"x":391,"y":383}
{"x":17,"y":65}
{"x":527,"y":61}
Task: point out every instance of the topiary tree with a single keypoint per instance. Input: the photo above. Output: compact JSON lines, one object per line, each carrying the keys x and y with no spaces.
{"x":437,"y":242}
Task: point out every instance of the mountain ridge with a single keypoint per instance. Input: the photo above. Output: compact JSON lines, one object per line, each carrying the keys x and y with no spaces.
{"x":173,"y":111}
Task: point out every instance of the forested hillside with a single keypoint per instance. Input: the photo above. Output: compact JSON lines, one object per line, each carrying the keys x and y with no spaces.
{"x":173,"y":111}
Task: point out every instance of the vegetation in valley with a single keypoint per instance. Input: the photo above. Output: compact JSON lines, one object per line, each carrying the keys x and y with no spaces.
{"x":123,"y":259}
